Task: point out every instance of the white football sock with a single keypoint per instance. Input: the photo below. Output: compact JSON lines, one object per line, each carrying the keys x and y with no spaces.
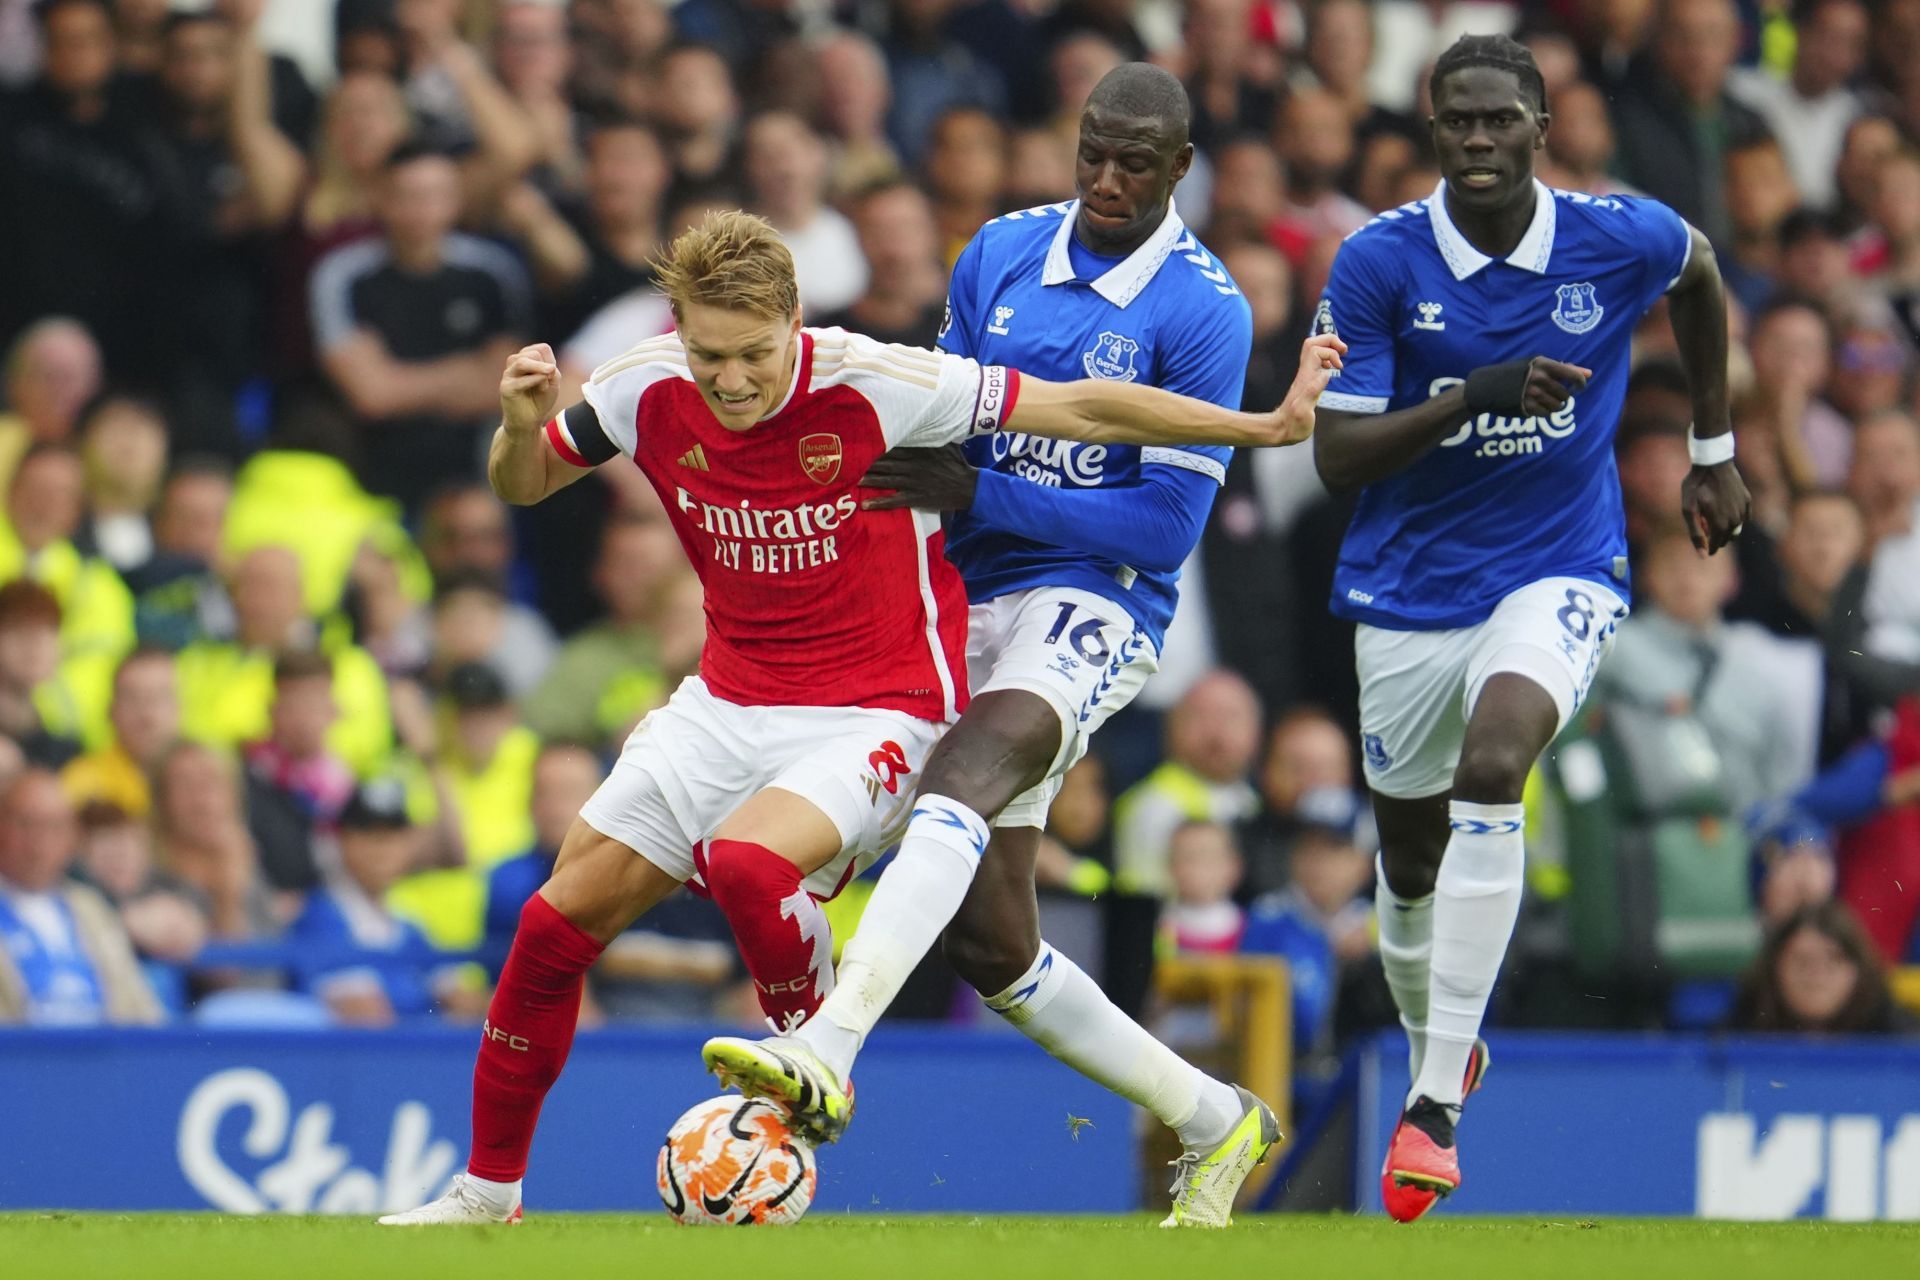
{"x":501,"y":1197}
{"x":1406,"y":948}
{"x":1476,"y":902}
{"x":1066,"y":1013}
{"x":916,"y":897}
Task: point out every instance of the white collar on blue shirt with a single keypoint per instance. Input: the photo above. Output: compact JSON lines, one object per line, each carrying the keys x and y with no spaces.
{"x":1531,"y":254}
{"x":1123,"y":283}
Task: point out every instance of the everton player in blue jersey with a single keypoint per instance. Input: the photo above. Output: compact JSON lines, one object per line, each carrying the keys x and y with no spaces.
{"x":1489,"y":330}
{"x":1071,"y":555}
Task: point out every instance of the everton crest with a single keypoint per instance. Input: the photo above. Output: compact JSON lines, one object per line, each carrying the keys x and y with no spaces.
{"x":820,"y":456}
{"x":1112,"y":358}
{"x":1575,"y":308}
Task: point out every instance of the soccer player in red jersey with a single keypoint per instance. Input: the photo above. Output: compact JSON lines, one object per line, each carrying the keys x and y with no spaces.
{"x":836,"y":636}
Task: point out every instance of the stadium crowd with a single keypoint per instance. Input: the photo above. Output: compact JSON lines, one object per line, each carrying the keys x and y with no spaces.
{"x":293,"y":711}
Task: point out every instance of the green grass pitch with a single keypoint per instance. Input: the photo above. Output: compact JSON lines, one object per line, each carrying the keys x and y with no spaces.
{"x":34,"y":1246}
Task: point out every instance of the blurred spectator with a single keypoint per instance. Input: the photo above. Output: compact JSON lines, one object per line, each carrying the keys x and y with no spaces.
{"x":1792,"y":347}
{"x":1409,"y":34}
{"x":934,"y":76}
{"x":786,"y":168}
{"x":966,"y":173}
{"x":96,"y":610}
{"x":1247,"y":192}
{"x":1203,"y":871}
{"x":473,"y":622}
{"x":1073,"y":848}
{"x":145,"y":719}
{"x":201,"y":837}
{"x":37,"y":711}
{"x":161,"y":916}
{"x":414,"y":326}
{"x":1813,"y":261}
{"x":1817,"y":973}
{"x":450,"y":88}
{"x":293,"y":758}
{"x":369,"y":966}
{"x":177,"y":594}
{"x":1760,"y":195}
{"x":698,"y":114}
{"x":1581,"y":145}
{"x":906,"y":286}
{"x":1308,"y":755}
{"x":615,"y":44}
{"x":1885,"y":481}
{"x":1793,"y":861}
{"x":1315,"y":141}
{"x":226,"y":174}
{"x":1384,"y":158}
{"x":489,"y":755}
{"x":855,"y":99}
{"x":64,"y":956}
{"x":467,"y":528}
{"x":1823,"y":541}
{"x":1869,"y":140}
{"x":52,"y":373}
{"x":1895,"y":207}
{"x":123,"y":452}
{"x":608,"y":674}
{"x":1757,"y":696}
{"x":1339,"y":53}
{"x":1810,"y":110}
{"x":533,"y":58}
{"x":226,"y":687}
{"x":1320,"y":923}
{"x":364,"y":119}
{"x":600,"y":252}
{"x":1677,"y":123}
{"x":1870,"y":368}
{"x":395,"y":629}
{"x":1651,"y":454}
{"x":1076,"y":65}
{"x":81,"y":207}
{"x":1213,"y":735}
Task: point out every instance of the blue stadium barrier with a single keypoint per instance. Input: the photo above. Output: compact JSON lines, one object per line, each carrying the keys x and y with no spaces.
{"x":337,"y":1121}
{"x":1744,"y":1127}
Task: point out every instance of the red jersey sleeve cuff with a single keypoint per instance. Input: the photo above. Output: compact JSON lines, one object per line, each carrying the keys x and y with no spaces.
{"x":557,"y":437}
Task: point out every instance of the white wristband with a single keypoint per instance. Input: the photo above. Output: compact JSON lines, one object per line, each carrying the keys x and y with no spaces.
{"x":1712,"y":451}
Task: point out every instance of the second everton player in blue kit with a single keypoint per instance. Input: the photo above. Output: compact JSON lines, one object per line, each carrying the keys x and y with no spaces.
{"x":1490,"y":330}
{"x":1071,"y":555}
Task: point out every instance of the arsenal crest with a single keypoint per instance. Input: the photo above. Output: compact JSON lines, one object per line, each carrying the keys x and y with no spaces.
{"x":820,"y":456}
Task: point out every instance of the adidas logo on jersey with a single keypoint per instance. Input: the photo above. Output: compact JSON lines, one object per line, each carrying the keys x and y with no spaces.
{"x":695,"y":457}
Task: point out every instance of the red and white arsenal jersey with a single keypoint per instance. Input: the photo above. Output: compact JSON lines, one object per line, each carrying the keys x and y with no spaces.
{"x":810,"y":601}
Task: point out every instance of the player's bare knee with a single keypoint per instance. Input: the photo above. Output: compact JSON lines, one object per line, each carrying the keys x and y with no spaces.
{"x":1492,"y":772}
{"x":984,"y":764}
{"x":1411,"y":874}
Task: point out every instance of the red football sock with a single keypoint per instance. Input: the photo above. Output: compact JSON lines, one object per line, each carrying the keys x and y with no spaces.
{"x":526,"y":1037}
{"x":783,"y":935}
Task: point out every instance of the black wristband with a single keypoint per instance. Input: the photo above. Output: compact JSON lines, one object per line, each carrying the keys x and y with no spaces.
{"x":1497,"y":388}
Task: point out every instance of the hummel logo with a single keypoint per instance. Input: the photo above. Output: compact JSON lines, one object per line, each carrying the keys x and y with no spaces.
{"x":695,"y":457}
{"x":1429,"y":316}
{"x":1000,"y":317}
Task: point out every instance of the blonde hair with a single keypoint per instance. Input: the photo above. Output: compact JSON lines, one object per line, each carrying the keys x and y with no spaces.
{"x":733,"y":260}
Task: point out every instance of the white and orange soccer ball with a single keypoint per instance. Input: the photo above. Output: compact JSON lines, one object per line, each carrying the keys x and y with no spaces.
{"x":732,"y":1161}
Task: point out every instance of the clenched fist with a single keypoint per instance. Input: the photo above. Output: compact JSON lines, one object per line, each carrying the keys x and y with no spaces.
{"x":530,"y":388}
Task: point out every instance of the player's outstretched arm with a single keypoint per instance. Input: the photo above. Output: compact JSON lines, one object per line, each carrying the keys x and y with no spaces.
{"x":1713,"y":497}
{"x":1105,"y":412}
{"x":521,"y":466}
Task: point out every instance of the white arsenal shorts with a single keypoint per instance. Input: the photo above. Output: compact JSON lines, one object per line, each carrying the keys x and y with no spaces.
{"x":1417,"y":688}
{"x":692,"y":762}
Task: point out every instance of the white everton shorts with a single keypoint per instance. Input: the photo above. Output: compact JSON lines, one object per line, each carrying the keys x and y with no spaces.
{"x":692,"y":762}
{"x":1081,"y":652}
{"x":1417,"y":688}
